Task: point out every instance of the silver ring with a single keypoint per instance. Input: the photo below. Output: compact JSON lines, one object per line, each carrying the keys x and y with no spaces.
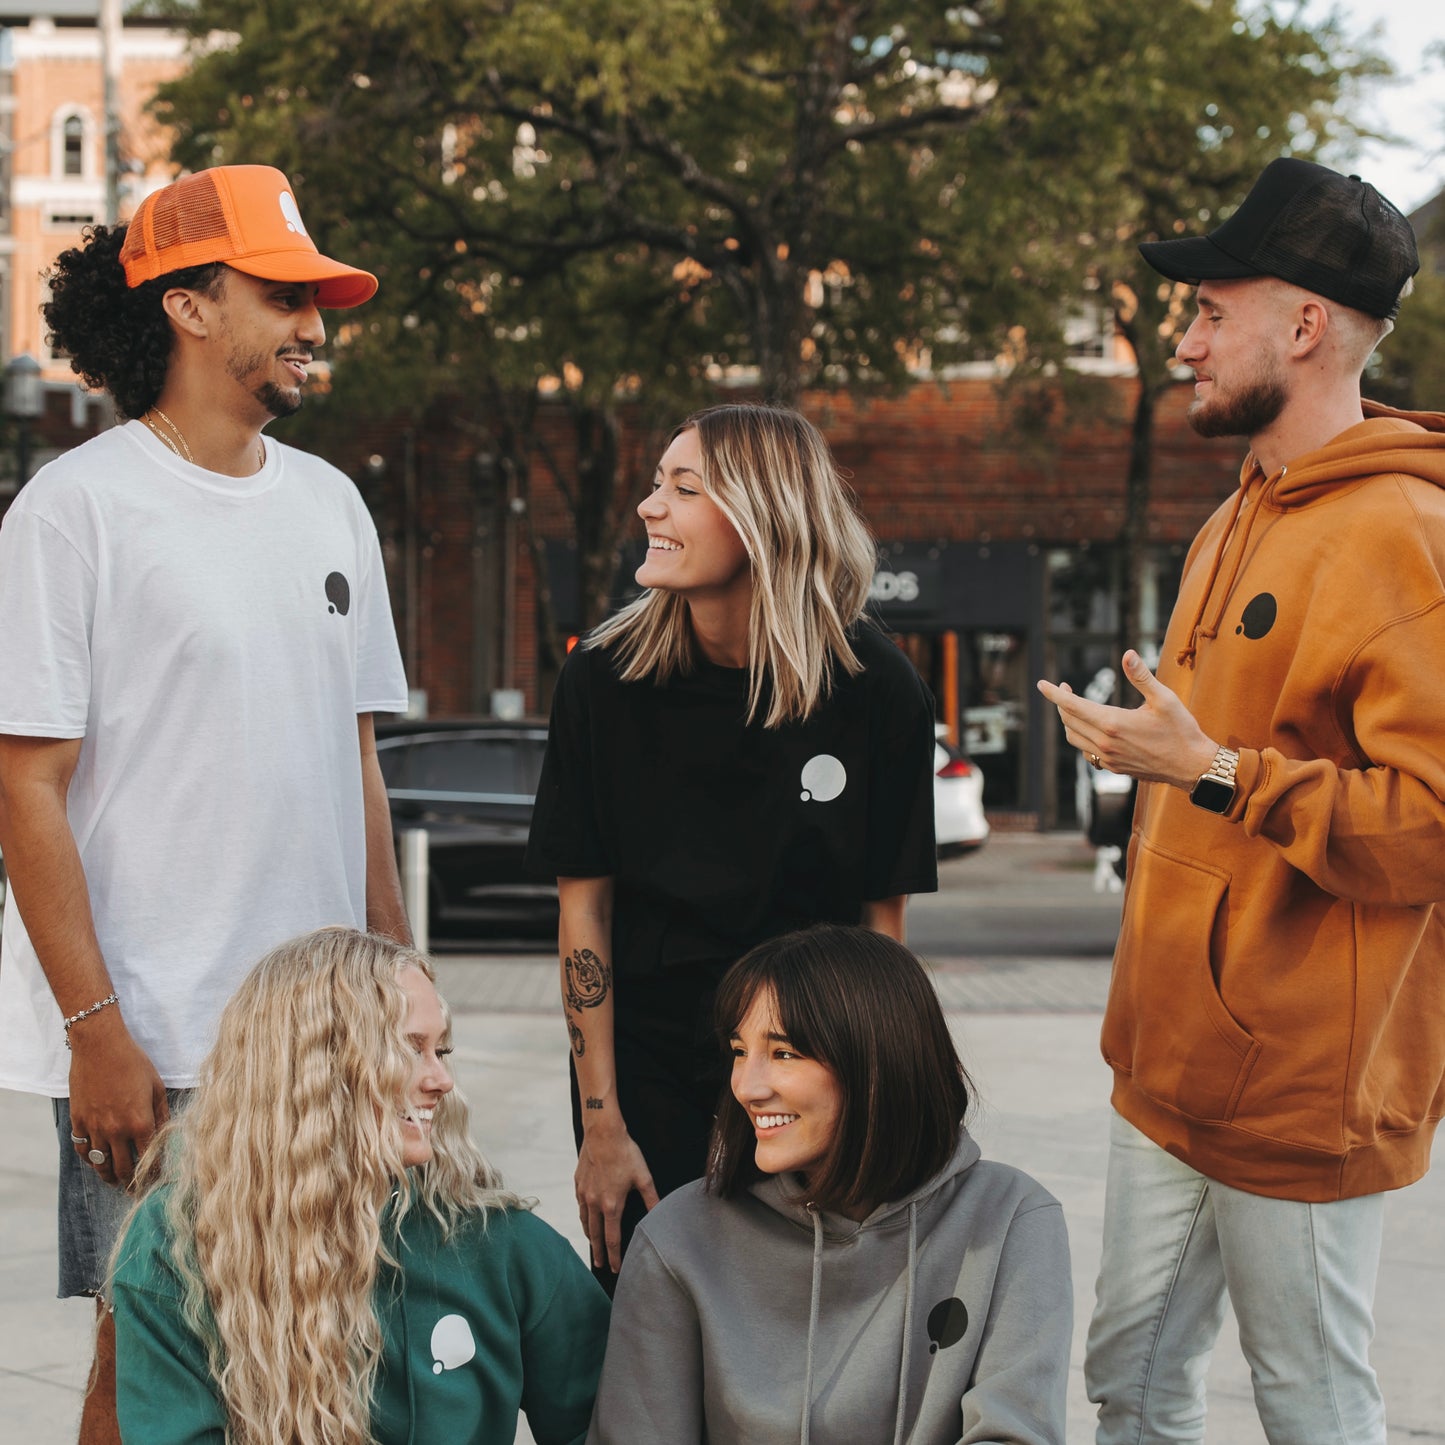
{"x":97,"y":1157}
{"x":1095,"y":760}
{"x":79,"y":1139}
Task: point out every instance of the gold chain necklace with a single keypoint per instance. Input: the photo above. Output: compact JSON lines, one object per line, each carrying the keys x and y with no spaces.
{"x":178,"y":445}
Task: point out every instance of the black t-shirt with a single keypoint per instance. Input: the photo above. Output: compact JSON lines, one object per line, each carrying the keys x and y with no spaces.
{"x":719,"y":834}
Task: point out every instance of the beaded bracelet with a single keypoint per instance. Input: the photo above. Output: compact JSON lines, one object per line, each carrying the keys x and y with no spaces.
{"x":95,"y":1008}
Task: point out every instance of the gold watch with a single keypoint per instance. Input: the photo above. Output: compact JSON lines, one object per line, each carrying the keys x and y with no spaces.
{"x":1214,"y":791}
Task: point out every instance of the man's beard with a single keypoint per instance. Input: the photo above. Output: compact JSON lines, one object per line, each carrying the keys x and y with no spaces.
{"x":1244,"y":412}
{"x":277,"y":400}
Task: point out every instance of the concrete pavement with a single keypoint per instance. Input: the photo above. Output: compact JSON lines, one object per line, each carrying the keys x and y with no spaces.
{"x":1028,"y":1030}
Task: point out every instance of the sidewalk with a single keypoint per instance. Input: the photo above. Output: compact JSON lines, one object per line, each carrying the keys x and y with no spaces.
{"x":1028,"y":1031}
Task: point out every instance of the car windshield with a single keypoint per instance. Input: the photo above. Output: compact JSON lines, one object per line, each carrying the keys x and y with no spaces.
{"x":492,"y":766}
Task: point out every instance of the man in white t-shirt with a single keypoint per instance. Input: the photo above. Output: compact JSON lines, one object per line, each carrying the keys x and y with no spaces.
{"x":197,"y":633}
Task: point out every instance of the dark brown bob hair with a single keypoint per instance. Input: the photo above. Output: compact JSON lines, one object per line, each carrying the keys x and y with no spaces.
{"x":862,"y":1004}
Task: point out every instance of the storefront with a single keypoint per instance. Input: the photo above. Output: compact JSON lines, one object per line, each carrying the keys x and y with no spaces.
{"x":982,"y":622}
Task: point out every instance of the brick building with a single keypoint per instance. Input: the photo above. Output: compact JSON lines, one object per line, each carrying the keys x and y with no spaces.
{"x":999,"y":556}
{"x":999,"y":551}
{"x":53,"y":118}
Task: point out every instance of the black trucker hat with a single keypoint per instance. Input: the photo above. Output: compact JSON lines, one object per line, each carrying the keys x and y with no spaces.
{"x":1306,"y":224}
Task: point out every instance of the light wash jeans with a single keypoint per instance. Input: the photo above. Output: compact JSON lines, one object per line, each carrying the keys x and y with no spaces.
{"x":1301,"y":1278}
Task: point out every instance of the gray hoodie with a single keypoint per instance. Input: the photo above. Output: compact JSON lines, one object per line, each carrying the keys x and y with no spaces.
{"x":941,"y":1319}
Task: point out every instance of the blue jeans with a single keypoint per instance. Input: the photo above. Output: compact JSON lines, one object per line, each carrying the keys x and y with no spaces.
{"x":89,"y":1211}
{"x":1301,"y":1278}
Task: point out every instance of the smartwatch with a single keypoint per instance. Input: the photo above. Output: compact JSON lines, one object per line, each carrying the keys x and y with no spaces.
{"x":1214,"y":792}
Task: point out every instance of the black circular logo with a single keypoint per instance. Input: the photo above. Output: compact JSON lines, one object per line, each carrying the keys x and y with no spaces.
{"x":947,"y":1324}
{"x":1258,"y":616}
{"x":338,"y":594}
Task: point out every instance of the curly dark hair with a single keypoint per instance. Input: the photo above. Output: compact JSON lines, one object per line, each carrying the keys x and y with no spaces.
{"x":118,"y":337}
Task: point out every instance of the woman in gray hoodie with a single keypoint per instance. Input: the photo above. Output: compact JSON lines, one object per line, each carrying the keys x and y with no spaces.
{"x":849,"y":1271}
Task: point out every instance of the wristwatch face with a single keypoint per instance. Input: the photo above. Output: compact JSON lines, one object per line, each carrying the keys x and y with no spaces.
{"x":1212,"y":794}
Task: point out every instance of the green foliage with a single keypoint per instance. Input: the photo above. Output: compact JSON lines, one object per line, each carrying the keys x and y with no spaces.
{"x":828,"y":191}
{"x":1408,"y":370}
{"x":640,"y":198}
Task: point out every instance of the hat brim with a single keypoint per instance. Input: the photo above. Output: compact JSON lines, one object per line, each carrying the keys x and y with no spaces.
{"x":338,"y":287}
{"x":1194,"y":259}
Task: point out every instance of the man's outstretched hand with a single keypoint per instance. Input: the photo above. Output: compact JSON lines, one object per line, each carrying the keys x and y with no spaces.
{"x":1158,"y":742}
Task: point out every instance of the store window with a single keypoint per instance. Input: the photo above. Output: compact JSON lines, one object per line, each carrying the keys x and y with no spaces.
{"x":1085,"y":639}
{"x":979,"y":681}
{"x":995,"y":717}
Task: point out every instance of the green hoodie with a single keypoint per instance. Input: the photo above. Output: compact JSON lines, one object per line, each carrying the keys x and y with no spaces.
{"x":501,"y":1317}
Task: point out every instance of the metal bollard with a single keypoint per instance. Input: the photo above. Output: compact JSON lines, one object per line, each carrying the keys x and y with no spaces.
{"x":415,"y":872}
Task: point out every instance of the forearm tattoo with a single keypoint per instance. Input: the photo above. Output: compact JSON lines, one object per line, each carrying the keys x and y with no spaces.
{"x":589,"y":980}
{"x":579,"y":1044}
{"x":594,"y":1103}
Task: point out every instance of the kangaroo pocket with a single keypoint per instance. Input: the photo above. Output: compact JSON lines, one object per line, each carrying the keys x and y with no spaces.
{"x":1166,"y":1023}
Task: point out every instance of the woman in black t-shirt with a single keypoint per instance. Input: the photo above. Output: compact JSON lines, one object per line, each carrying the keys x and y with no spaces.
{"x":736,"y":754}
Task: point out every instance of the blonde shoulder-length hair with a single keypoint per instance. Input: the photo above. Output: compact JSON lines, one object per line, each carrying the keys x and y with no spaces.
{"x":772,"y":476}
{"x":287,"y":1184}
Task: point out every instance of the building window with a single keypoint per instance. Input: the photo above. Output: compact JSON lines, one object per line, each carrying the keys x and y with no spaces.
{"x":58,"y":220}
{"x":70,"y":137}
{"x":74,"y":142}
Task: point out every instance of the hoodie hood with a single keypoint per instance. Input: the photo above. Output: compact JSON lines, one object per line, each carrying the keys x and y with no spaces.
{"x":1387,"y":442}
{"x":1409,"y":442}
{"x":787,"y":1195}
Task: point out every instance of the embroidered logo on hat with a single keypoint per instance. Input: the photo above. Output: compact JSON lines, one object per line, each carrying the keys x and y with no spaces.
{"x":245,"y":217}
{"x":291,"y":214}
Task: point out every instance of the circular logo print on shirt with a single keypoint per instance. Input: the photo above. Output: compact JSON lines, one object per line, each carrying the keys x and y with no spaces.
{"x":824,"y":777}
{"x":1258,"y":616}
{"x":338,"y":594}
{"x":947,"y":1324}
{"x":452,"y":1344}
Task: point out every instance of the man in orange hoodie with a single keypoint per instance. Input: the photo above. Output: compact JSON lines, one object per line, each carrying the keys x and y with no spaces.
{"x":1276,"y":1018}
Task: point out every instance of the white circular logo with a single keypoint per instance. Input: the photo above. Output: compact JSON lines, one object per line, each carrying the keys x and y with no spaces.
{"x":824,"y":777}
{"x":452,"y":1344}
{"x":291,"y":214}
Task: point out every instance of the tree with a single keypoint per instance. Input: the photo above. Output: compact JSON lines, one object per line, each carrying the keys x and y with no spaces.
{"x":1272,"y":88}
{"x":1408,"y":370}
{"x":640,"y":199}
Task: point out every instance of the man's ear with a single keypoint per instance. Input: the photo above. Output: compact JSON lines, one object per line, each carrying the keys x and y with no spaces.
{"x":188,"y":312}
{"x":1311,"y":323}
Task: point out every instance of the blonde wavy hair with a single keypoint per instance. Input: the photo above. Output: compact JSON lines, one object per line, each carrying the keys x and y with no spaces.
{"x":282,"y":1172}
{"x":772,"y":476}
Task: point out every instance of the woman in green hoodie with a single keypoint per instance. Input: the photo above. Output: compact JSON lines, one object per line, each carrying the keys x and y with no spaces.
{"x":321,"y":1256}
{"x":849,"y":1270}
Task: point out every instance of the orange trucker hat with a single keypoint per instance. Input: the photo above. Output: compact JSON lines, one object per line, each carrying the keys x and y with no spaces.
{"x":245,"y":216}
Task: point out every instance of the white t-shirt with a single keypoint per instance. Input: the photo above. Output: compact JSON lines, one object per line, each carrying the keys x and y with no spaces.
{"x":212,"y":640}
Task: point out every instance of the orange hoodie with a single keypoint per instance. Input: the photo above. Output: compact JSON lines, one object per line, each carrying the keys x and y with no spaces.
{"x":1276,"y":1016}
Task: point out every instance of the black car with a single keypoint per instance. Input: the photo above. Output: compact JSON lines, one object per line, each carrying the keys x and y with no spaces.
{"x":471,"y":783}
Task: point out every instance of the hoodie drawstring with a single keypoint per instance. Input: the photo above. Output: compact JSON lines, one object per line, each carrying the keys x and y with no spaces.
{"x":1185,"y":655}
{"x":907,"y":1323}
{"x":813,"y":1304}
{"x":816,"y":1300}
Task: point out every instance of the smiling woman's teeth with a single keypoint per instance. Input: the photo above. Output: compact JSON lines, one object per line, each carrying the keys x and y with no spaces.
{"x":419,"y":1116}
{"x":661,"y":544}
{"x":774,"y":1121}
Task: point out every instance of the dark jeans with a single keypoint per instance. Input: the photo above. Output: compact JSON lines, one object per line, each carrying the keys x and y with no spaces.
{"x":670,"y":1073}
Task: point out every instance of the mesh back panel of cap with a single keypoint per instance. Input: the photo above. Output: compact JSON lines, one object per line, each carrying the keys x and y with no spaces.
{"x":190,"y":211}
{"x":1352,"y":246}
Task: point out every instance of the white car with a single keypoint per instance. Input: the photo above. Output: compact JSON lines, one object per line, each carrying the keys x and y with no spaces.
{"x":958,"y":821}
